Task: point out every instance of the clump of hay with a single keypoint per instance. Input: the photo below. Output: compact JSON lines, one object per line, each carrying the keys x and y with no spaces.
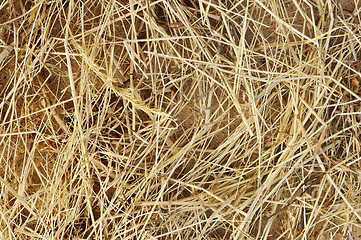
{"x":180,"y":119}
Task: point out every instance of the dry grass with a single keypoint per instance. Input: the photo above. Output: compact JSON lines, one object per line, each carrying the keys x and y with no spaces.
{"x":180,"y":119}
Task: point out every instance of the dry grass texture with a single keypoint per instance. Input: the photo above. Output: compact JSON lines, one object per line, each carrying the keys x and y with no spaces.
{"x":180,"y":119}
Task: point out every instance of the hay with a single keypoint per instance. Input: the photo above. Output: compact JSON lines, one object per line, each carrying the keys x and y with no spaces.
{"x":180,"y":119}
